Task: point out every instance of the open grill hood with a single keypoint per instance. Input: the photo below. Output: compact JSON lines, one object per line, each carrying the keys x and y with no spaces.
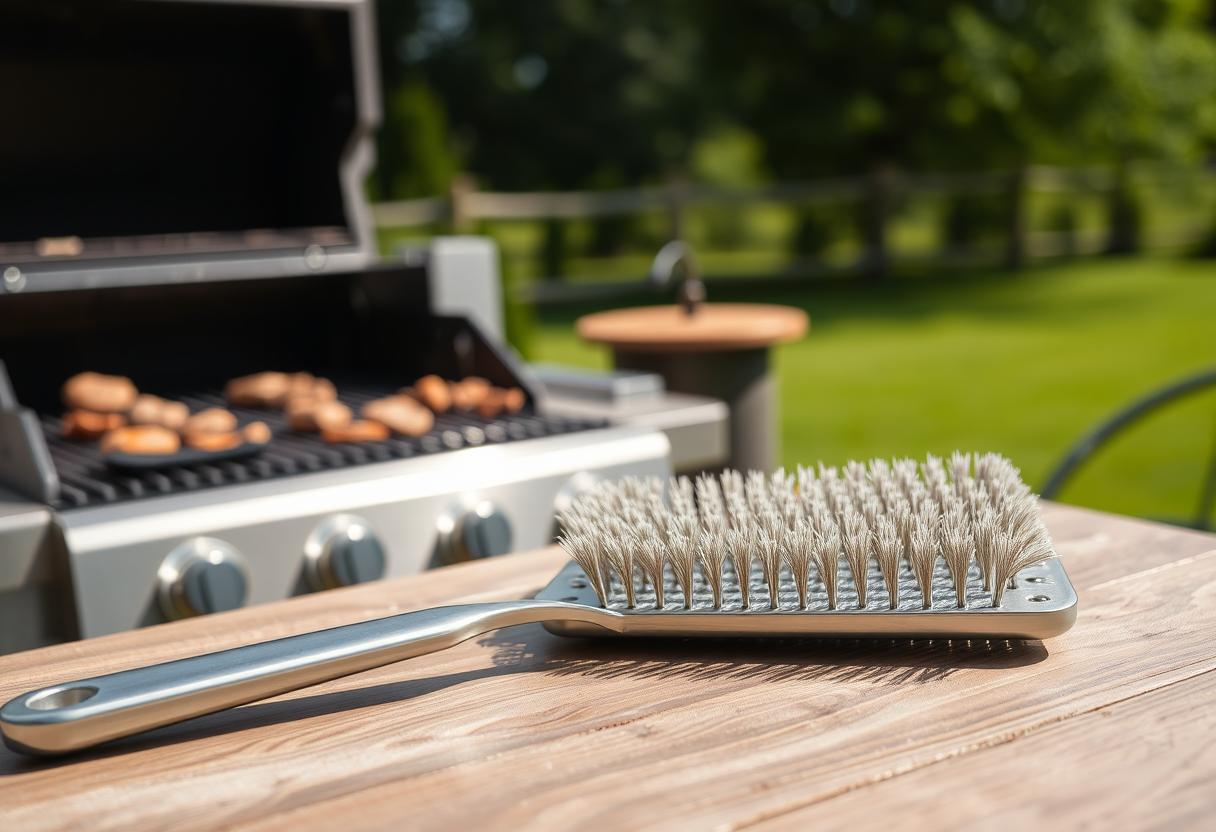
{"x":160,"y":141}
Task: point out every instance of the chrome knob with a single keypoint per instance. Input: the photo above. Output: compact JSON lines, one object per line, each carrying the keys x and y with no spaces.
{"x":201,"y":576}
{"x":343,"y":551}
{"x":482,"y":531}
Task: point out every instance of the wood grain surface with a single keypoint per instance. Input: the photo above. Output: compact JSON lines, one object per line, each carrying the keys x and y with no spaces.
{"x":714,"y":327}
{"x":1111,"y":725}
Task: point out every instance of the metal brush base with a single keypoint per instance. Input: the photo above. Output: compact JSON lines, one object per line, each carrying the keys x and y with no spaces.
{"x":1042,"y":604}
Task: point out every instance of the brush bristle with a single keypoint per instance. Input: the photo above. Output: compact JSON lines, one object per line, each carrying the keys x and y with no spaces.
{"x":954,"y":533}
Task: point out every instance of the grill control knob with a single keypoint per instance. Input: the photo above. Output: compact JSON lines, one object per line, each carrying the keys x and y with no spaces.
{"x":343,"y":551}
{"x":482,"y":531}
{"x":202,"y":575}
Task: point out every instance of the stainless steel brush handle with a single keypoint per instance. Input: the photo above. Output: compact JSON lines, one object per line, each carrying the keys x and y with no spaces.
{"x":80,"y":714}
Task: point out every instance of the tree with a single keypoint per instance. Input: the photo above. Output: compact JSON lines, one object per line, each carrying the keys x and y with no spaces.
{"x":556,"y":94}
{"x":1101,"y":80}
{"x":579,"y":93}
{"x":855,"y":86}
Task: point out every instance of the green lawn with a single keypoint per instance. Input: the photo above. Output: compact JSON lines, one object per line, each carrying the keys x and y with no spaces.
{"x":1019,"y":363}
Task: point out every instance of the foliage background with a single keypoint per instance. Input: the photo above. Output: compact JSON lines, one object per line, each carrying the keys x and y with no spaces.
{"x":595,"y":94}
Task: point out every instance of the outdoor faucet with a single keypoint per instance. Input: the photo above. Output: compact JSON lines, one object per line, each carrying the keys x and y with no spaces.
{"x":677,"y":255}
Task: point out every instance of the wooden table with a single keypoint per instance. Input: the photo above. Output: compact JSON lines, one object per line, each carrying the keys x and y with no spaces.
{"x":1111,"y":725}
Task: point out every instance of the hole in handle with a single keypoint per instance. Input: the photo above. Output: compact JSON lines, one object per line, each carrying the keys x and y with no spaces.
{"x":49,"y":700}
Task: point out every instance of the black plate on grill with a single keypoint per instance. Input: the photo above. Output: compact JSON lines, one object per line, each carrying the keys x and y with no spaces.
{"x":186,"y":456}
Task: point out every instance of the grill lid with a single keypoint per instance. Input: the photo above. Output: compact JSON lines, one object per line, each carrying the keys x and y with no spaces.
{"x":154,"y":141}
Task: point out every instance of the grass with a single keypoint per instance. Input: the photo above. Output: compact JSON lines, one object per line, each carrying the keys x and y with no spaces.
{"x":1020,"y":363}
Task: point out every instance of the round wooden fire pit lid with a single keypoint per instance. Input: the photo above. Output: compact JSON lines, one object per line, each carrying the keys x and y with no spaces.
{"x":714,"y":327}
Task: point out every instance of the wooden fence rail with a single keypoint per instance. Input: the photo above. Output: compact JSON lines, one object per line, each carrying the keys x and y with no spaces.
{"x":876,"y":195}
{"x":465,"y":204}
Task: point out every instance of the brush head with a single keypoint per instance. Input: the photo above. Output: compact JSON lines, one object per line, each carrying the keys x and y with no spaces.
{"x":892,"y":538}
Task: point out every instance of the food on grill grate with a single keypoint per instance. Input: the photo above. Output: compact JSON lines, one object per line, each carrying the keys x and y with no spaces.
{"x":360,"y":430}
{"x":128,"y":456}
{"x":433,"y":414}
{"x":513,"y":400}
{"x":274,"y":389}
{"x":492,"y":403}
{"x":89,"y":478}
{"x":306,"y":384}
{"x":99,"y":393}
{"x":400,"y":414}
{"x":311,"y":404}
{"x":85,"y":424}
{"x":150,"y":426}
{"x":153,"y":410}
{"x":469,"y":393}
{"x":313,"y":415}
{"x":433,"y":392}
{"x":305,"y":387}
{"x":158,"y":427}
{"x":141,"y":439}
{"x":498,"y":400}
{"x":258,"y":433}
{"x":213,"y":440}
{"x":211,"y":420}
{"x":257,"y":390}
{"x":254,"y":433}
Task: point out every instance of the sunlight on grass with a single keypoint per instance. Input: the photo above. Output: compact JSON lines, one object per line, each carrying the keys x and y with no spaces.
{"x":1020,"y":363}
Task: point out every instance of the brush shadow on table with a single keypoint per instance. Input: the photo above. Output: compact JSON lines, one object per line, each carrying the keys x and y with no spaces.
{"x":784,"y":659}
{"x":530,"y":649}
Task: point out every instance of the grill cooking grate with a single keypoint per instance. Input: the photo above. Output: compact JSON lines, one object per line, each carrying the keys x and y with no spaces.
{"x":86,"y":480}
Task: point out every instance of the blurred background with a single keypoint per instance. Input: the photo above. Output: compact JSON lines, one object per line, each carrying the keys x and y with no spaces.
{"x":1000,"y":215}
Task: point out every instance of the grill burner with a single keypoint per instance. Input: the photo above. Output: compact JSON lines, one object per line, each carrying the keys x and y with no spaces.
{"x":86,"y":480}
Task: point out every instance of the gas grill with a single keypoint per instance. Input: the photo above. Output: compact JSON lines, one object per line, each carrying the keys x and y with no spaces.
{"x":86,"y":548}
{"x":184,"y":205}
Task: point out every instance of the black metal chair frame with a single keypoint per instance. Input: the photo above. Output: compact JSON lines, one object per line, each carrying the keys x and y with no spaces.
{"x":1091,"y":443}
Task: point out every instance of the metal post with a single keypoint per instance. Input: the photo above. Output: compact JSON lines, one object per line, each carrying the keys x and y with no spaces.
{"x":741,"y":378}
